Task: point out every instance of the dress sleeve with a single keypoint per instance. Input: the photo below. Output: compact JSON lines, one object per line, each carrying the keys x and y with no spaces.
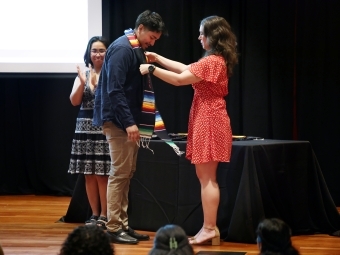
{"x":209,"y":68}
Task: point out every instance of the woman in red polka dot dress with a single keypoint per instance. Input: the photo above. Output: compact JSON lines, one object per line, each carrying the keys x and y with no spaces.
{"x":209,"y":131}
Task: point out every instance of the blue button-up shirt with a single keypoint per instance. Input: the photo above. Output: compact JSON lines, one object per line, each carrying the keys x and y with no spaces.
{"x":119,"y":94}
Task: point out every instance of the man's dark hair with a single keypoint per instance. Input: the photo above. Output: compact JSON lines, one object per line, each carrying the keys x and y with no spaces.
{"x":87,"y":240}
{"x":152,"y":21}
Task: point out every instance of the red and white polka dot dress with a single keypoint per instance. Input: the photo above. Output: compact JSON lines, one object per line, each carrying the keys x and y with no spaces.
{"x":209,"y":131}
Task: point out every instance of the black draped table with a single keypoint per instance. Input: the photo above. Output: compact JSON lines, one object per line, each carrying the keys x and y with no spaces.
{"x":265,"y":178}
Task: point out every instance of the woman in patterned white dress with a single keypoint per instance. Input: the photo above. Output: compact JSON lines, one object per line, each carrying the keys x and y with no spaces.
{"x":209,"y":132}
{"x":90,"y":151}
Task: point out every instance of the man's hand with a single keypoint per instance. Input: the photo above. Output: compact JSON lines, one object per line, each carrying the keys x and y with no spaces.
{"x":133,"y":133}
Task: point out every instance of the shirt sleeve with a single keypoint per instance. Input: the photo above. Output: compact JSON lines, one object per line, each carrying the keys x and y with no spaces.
{"x":209,"y":68}
{"x":119,"y":63}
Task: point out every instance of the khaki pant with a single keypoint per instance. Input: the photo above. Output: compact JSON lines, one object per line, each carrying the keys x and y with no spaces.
{"x":123,"y":164}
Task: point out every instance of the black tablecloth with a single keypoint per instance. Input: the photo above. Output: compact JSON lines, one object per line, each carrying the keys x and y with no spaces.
{"x":265,"y":178}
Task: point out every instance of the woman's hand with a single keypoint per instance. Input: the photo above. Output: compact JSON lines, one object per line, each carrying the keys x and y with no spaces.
{"x":151,"y":56}
{"x":81,"y":75}
{"x":144,"y":68}
{"x":93,"y":77}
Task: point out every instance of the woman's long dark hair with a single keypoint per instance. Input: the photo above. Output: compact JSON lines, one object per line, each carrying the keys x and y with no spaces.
{"x":274,"y":237}
{"x":171,"y":240}
{"x":221,"y":39}
{"x":87,"y":55}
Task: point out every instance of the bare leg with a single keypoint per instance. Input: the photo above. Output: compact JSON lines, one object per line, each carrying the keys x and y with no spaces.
{"x":210,"y":194}
{"x":92,"y":193}
{"x":102,"y":187}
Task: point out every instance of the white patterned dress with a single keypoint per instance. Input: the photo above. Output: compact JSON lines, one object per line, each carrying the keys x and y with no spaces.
{"x":90,"y":151}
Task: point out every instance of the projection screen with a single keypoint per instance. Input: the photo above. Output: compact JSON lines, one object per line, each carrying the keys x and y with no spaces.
{"x":40,"y":36}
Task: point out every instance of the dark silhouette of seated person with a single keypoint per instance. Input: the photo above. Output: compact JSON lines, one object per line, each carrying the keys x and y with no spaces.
{"x":171,"y":240}
{"x":274,"y":238}
{"x":87,"y":240}
{"x":1,"y":251}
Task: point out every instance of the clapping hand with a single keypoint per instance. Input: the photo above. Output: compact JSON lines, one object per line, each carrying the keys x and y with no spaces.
{"x":81,"y":75}
{"x":93,"y":77}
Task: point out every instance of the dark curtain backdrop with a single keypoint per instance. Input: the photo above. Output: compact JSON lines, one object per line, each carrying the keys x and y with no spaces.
{"x":286,"y":86}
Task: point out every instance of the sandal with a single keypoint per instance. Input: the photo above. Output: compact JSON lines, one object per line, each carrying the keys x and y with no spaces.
{"x":92,"y":220}
{"x":101,"y":222}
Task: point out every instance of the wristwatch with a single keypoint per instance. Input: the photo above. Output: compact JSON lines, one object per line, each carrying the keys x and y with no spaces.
{"x":151,"y":68}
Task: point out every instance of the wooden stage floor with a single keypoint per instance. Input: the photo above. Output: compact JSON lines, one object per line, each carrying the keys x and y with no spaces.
{"x":30,"y":225}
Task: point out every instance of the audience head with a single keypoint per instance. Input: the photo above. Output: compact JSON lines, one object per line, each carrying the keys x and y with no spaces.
{"x":171,"y":239}
{"x":101,"y":43}
{"x":87,"y":240}
{"x":274,"y":238}
{"x":1,"y":251}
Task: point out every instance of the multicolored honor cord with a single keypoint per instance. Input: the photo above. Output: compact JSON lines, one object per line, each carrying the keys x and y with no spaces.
{"x":151,"y":119}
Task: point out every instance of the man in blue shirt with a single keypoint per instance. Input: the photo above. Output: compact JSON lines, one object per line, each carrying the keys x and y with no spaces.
{"x":118,"y":106}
